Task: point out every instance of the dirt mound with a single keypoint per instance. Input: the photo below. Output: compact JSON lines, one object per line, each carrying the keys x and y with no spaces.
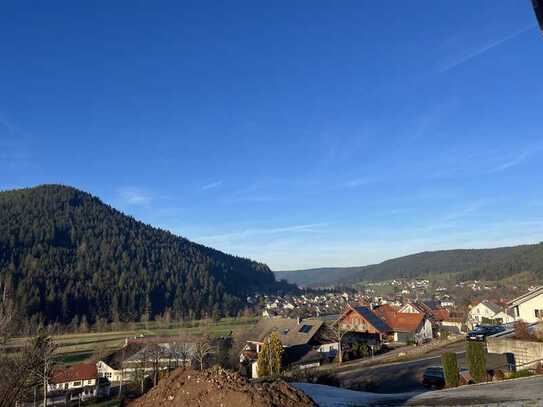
{"x":217,"y":387}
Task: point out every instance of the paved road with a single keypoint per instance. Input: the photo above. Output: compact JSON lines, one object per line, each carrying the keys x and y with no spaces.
{"x":509,"y":393}
{"x":521,"y":393}
{"x":405,"y":377}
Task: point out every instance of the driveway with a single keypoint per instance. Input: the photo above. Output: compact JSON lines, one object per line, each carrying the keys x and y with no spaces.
{"x":405,"y":377}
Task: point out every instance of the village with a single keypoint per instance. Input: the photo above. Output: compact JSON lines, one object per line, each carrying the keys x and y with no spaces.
{"x":316,"y":330}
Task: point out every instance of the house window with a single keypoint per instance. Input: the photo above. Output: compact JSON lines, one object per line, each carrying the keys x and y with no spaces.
{"x":76,"y":384}
{"x":539,"y":313}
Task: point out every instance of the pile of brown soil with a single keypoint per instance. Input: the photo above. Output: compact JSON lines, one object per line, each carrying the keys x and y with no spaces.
{"x":217,"y":387}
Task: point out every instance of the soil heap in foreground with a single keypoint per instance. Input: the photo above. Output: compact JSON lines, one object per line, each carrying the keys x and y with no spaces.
{"x":217,"y":387}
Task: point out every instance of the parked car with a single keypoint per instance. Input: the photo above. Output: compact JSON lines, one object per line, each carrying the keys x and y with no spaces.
{"x":435,"y":377}
{"x":481,"y":332}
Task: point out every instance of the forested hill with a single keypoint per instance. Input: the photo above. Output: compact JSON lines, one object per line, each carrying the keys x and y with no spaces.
{"x":65,"y":255}
{"x":490,"y":264}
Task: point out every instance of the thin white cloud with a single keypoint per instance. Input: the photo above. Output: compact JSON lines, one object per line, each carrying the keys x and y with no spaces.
{"x":511,"y":163}
{"x":134,"y":196}
{"x":469,"y":56}
{"x":358,"y":182}
{"x":212,"y":185}
{"x":246,"y":233}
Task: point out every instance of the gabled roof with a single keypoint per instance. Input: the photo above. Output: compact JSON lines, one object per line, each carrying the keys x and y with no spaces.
{"x":79,"y":372}
{"x":115,"y":359}
{"x":371,"y":318}
{"x":399,"y":321}
{"x":291,"y":332}
{"x":406,"y":322}
{"x":495,"y":308}
{"x":526,"y":297}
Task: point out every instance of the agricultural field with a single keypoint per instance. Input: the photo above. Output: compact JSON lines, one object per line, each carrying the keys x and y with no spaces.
{"x":77,"y":347}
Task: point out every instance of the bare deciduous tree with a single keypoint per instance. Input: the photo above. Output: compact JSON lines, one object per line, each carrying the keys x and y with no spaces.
{"x":181,"y":352}
{"x":202,"y":351}
{"x":337,"y":332}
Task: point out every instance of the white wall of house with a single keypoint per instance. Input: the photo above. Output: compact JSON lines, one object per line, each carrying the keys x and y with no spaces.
{"x":113,"y":375}
{"x":254,"y":370}
{"x":409,"y":309}
{"x":481,"y":311}
{"x":76,"y":384}
{"x":531,"y":310}
{"x":425,"y":332}
{"x":505,"y":317}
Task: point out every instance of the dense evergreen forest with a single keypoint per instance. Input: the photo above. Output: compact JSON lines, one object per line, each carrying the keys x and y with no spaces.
{"x":65,"y":256}
{"x":488,"y":264}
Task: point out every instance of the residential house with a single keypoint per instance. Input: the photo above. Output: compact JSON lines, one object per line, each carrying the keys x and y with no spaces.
{"x":528,"y":307}
{"x":431,"y":309}
{"x":455,"y":323}
{"x":306,"y":343}
{"x":483,"y":312}
{"x":362,"y":319}
{"x":505,"y":316}
{"x":77,"y":382}
{"x":406,"y":327}
{"x":140,"y":358}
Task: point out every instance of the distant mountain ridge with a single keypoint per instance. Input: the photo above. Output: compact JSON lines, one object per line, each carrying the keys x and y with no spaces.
{"x":65,"y":255}
{"x":464,"y":264}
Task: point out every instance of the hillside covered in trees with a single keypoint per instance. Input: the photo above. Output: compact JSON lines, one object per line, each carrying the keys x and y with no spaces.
{"x":487,"y":264}
{"x":65,"y":255}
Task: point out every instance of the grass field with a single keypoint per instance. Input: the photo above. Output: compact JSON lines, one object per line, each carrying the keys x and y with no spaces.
{"x":75,"y":348}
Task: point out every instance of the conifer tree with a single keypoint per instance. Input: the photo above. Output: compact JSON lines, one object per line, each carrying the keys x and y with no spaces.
{"x":270,"y":357}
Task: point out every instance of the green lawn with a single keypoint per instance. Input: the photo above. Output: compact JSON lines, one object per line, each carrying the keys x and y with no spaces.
{"x":75,"y":348}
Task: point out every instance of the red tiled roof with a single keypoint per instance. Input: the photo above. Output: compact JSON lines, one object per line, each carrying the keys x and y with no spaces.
{"x":81,"y":371}
{"x":405,"y":322}
{"x":440,"y":314}
{"x":399,"y":321}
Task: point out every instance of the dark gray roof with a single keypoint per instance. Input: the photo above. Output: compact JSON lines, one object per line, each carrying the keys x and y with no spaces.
{"x":373,"y":319}
{"x":290,"y":332}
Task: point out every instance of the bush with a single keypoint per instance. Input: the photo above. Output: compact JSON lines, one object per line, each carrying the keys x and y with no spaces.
{"x":521,"y":331}
{"x":499,"y":375}
{"x":476,"y":356}
{"x":450,"y":369}
{"x":521,"y":373}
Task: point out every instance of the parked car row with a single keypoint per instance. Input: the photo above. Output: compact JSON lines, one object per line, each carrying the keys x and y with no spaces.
{"x":481,"y":332}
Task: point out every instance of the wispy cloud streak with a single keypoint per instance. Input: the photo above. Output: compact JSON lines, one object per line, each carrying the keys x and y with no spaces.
{"x":306,"y":228}
{"x":212,"y":185}
{"x":134,"y":196}
{"x":469,"y":56}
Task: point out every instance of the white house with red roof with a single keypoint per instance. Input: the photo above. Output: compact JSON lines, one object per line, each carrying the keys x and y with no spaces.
{"x":77,"y":382}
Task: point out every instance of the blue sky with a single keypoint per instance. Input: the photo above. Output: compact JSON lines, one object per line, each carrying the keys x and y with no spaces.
{"x":297,"y":133}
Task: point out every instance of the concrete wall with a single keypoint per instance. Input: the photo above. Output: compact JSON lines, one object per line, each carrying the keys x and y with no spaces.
{"x":525,"y":352}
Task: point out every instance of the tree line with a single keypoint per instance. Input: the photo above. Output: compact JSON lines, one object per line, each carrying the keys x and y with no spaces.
{"x":66,"y":257}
